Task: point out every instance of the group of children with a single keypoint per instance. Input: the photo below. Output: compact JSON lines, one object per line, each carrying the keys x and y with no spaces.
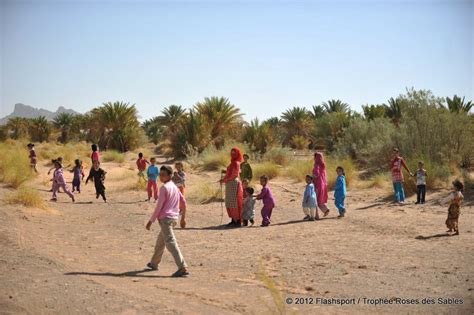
{"x":153,"y":172}
{"x":309,"y":204}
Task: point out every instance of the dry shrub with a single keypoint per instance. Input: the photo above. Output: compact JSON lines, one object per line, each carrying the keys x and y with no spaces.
{"x":14,"y":163}
{"x":69,"y":151}
{"x":269,"y":169}
{"x":279,"y":155}
{"x":205,"y":193}
{"x":113,"y":156}
{"x":27,"y":197}
{"x":298,"y":169}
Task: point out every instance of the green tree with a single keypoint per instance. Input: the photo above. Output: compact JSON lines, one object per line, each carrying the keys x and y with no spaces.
{"x":394,"y":110}
{"x":458,"y":105}
{"x":296,"y":121}
{"x":64,"y":122}
{"x":39,"y":129}
{"x":373,"y":111}
{"x":17,"y":127}
{"x":222,"y":117}
{"x":117,"y":125}
{"x":318,"y":111}
{"x":259,"y":136}
{"x":336,"y":106}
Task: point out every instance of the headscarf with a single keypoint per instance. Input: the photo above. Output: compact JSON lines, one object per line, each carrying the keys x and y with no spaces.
{"x":319,"y":159}
{"x":238,"y":155}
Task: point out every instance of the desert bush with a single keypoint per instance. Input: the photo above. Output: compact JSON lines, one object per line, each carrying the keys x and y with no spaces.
{"x":378,"y":180}
{"x":69,"y":152}
{"x":204,"y":193}
{"x":279,"y":155}
{"x":298,"y":169}
{"x":269,"y":169}
{"x":113,"y":156}
{"x":212,"y":159}
{"x":14,"y":163}
{"x":27,"y":197}
{"x":299,"y":142}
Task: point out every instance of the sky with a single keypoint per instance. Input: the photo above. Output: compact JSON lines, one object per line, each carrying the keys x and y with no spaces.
{"x":265,"y":56}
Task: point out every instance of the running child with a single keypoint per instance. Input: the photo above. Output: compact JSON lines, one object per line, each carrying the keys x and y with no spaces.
{"x":152,"y":173}
{"x":454,"y":199}
{"x":245,"y":169}
{"x":179,"y":177}
{"x":78,"y":175}
{"x":59,"y":181}
{"x":248,"y":213}
{"x":167,"y":211}
{"x":340,"y":191}
{"x":141,"y":165}
{"x":310,"y":203}
{"x":420,"y":183}
{"x":97,"y":175}
{"x":32,"y":156}
{"x":268,"y":201}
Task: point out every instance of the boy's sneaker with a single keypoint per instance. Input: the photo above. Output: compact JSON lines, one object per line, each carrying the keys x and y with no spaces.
{"x":54,"y":199}
{"x":181,"y":273}
{"x":306,"y":218}
{"x":151,"y":266}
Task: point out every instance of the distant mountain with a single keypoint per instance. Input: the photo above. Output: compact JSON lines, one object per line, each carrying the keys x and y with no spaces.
{"x":26,"y":111}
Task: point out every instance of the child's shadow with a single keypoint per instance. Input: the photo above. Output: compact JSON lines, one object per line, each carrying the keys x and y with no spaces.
{"x":134,"y":274}
{"x":423,"y":238}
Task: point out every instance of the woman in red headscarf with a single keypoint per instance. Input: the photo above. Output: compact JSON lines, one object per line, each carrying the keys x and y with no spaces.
{"x":233,"y":188}
{"x":320,"y":182}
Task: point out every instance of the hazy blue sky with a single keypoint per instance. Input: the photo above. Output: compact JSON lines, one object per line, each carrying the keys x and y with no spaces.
{"x":266,"y":56}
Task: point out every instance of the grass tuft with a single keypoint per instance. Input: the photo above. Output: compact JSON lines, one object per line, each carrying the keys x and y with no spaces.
{"x":27,"y":197}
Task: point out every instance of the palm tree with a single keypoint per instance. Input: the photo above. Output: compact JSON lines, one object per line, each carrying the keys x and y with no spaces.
{"x":318,"y":111}
{"x":153,"y":129}
{"x":373,"y":111}
{"x":64,"y":122}
{"x":394,"y":110}
{"x":259,"y":136}
{"x":118,"y":125}
{"x":458,"y":105}
{"x":17,"y":127}
{"x":39,"y":129}
{"x":221,"y":116}
{"x":335,"y":106}
{"x":296,"y":121}
{"x":171,"y":117}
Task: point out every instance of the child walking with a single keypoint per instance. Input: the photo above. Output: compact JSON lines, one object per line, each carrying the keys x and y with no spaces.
{"x":396,"y":165}
{"x":420,"y":183}
{"x":167,"y":212}
{"x":340,"y":191}
{"x":97,"y":175}
{"x":310,"y":207}
{"x":32,"y":156}
{"x":454,"y":199}
{"x":245,"y":169}
{"x":248,"y":207}
{"x":268,"y":201}
{"x":78,"y":175}
{"x":179,"y":177}
{"x":141,"y":165}
{"x":95,"y":155}
{"x":59,"y":181}
{"x":152,"y":173}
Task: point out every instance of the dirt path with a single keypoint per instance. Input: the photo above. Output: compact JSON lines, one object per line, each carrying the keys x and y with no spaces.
{"x":88,"y":257}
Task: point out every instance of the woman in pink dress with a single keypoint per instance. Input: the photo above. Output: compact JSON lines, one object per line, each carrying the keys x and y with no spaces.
{"x":233,"y":188}
{"x":320,"y":182}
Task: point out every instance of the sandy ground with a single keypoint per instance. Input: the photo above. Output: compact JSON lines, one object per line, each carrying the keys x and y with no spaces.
{"x":89,"y":257}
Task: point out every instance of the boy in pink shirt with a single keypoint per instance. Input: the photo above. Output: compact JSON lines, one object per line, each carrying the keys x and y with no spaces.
{"x":167,"y":212}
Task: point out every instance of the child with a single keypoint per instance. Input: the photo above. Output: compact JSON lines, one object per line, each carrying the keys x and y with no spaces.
{"x":340,"y":191}
{"x":59,"y":181}
{"x":78,"y":171}
{"x":98,"y":176}
{"x":95,"y":156}
{"x":396,"y":165}
{"x":420,"y":183}
{"x":246,"y":169}
{"x":268,"y":201}
{"x":245,"y":185}
{"x":32,"y":156}
{"x":60,"y":160}
{"x":454,"y":199}
{"x":248,"y":207}
{"x":179,"y":177}
{"x":152,"y":173}
{"x":167,"y":212}
{"x":141,"y":165}
{"x":310,"y":207}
